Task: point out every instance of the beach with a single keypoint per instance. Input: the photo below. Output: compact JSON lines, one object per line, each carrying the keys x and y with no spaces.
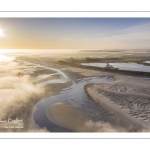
{"x":127,"y":97}
{"x":71,"y":118}
{"x":69,"y":98}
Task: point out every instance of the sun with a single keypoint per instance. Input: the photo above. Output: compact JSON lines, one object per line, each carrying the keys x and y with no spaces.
{"x":1,"y":33}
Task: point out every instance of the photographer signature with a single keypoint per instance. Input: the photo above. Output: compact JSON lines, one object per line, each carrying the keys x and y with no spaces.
{"x":11,"y":120}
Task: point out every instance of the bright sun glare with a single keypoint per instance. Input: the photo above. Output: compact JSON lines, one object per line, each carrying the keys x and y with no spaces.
{"x":1,"y":33}
{"x":4,"y":58}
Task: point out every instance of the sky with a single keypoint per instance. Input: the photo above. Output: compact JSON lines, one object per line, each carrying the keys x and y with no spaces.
{"x":75,"y":33}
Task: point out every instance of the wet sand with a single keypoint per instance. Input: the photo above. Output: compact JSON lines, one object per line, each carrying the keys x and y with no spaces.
{"x":116,"y":95}
{"x":127,"y":97}
{"x":119,"y":117}
{"x":67,"y":116}
{"x":71,"y":118}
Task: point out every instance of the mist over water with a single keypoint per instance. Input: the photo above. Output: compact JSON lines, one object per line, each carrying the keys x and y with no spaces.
{"x":19,"y":96}
{"x":17,"y":93}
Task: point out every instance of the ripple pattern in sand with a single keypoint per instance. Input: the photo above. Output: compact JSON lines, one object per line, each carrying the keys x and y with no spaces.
{"x":128,"y":97}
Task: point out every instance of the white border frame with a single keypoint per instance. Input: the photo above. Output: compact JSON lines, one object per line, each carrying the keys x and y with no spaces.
{"x":73,"y":14}
{"x":56,"y":135}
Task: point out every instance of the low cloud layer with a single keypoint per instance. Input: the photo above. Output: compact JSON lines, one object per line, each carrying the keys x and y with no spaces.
{"x":18,"y":95}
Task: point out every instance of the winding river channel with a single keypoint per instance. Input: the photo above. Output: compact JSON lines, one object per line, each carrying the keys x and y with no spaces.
{"x":74,"y":96}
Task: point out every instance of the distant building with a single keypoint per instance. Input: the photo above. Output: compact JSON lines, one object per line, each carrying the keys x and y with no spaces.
{"x":108,"y":66}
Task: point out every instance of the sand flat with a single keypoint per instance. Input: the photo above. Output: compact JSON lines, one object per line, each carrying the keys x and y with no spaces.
{"x":127,"y":97}
{"x":69,"y":117}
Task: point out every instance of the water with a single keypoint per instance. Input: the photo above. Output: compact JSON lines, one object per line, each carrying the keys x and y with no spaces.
{"x":122,"y":66}
{"x":31,"y":67}
{"x":43,"y":76}
{"x":49,"y":68}
{"x":60,"y":80}
{"x":148,"y":62}
{"x":75,"y":96}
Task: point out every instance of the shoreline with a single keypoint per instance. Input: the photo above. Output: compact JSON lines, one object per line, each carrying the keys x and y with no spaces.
{"x":106,"y":70}
{"x":78,"y":73}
